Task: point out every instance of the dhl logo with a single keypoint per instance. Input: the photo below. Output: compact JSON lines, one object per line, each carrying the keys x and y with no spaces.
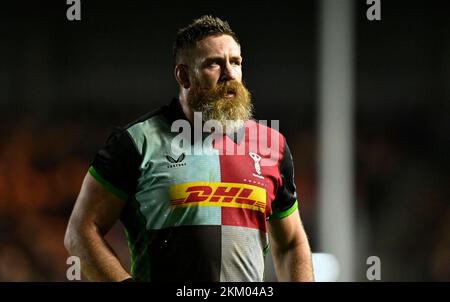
{"x":233,"y":195}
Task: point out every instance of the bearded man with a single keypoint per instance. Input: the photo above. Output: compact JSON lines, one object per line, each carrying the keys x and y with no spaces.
{"x":193,"y":217}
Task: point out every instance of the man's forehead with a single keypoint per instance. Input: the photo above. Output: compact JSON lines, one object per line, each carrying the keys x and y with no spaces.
{"x":218,"y":46}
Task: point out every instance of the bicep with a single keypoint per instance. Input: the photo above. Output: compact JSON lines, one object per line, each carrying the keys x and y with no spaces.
{"x":96,"y":206}
{"x":287,"y":231}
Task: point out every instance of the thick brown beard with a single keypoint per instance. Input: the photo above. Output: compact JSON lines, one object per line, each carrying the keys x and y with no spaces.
{"x":214,"y":105}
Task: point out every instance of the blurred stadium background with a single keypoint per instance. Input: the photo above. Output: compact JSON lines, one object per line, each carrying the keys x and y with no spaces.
{"x":65,"y":85}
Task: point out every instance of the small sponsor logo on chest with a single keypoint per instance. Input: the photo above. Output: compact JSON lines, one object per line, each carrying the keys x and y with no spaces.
{"x":176,"y":162}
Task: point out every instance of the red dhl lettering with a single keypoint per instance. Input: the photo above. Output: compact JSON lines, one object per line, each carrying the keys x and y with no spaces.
{"x":218,"y":194}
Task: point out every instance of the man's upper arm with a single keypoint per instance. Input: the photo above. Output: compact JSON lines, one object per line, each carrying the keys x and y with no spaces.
{"x":110,"y":181}
{"x":284,"y":222}
{"x":116,"y":165}
{"x":285,"y":202}
{"x":96,"y":205}
{"x":287,"y":230}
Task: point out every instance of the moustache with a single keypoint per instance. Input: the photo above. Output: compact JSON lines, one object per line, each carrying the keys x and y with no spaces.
{"x":225,"y":88}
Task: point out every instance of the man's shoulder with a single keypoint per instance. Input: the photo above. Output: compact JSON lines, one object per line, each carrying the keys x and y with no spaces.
{"x":153,"y":126}
{"x":165,"y":114}
{"x":147,"y":117}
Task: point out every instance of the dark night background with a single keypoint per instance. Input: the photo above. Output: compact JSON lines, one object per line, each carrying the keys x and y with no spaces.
{"x":65,"y":85}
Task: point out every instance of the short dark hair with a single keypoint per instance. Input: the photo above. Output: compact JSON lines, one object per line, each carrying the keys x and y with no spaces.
{"x":199,"y":29}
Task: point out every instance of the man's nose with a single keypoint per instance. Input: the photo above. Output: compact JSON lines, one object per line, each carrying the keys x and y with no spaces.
{"x":228,"y":73}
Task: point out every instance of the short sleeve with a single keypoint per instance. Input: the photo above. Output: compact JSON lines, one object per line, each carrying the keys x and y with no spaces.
{"x":285,"y":201}
{"x":116,"y":165}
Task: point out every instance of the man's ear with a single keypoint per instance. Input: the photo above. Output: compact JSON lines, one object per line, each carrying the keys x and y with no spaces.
{"x":182,"y":75}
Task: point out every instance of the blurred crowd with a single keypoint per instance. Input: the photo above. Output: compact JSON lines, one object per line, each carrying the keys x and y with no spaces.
{"x":41,"y":170}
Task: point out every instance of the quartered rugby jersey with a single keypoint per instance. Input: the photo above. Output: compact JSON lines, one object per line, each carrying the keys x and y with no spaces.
{"x":191,"y":216}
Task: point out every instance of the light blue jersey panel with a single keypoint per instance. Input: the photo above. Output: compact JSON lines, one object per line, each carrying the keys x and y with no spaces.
{"x":153,"y":140}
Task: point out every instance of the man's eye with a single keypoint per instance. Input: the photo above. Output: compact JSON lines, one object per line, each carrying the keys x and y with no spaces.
{"x":213,"y":64}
